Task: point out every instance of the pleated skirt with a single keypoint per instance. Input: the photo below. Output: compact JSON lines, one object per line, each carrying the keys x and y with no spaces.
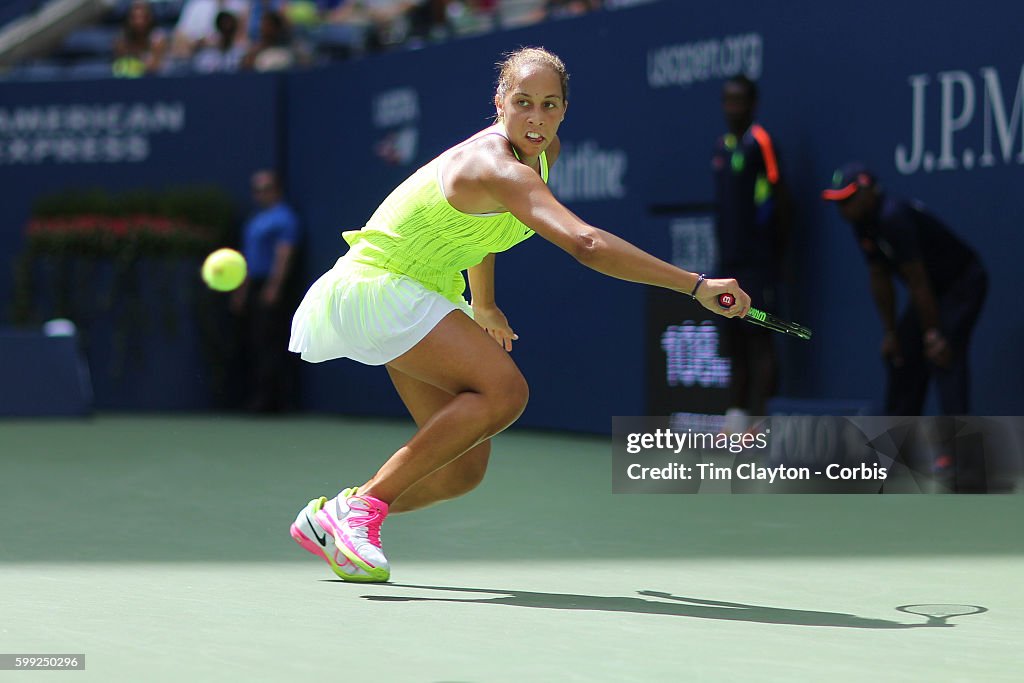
{"x":365,"y":313}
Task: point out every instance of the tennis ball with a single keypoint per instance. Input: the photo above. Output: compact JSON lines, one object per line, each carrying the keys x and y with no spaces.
{"x":224,"y":270}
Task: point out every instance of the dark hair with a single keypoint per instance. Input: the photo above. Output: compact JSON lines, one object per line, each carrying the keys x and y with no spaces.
{"x":147,"y":9}
{"x":744,"y":82}
{"x":276,"y":19}
{"x":225,"y":21}
{"x":527,"y":56}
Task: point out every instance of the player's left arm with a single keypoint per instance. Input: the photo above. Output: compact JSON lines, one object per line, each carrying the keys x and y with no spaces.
{"x":485,"y":310}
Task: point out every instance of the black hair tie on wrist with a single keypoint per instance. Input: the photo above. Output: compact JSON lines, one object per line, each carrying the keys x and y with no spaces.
{"x":700,"y":279}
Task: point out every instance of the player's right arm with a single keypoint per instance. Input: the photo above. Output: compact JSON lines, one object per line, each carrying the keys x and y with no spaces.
{"x":521,"y":191}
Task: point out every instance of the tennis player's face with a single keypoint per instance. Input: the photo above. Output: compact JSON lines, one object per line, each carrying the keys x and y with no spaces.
{"x":533,"y":108}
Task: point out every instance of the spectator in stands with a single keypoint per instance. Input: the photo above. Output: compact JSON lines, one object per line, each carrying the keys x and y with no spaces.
{"x":264,"y":302}
{"x":141,"y":47}
{"x":751,"y":220}
{"x":257,"y":8}
{"x":944,"y":278}
{"x":386,"y":23}
{"x":274,"y":51}
{"x":516,"y":13}
{"x":227,"y":54}
{"x":197,"y":25}
{"x":330,"y":26}
{"x":558,"y":9}
{"x":467,"y":17}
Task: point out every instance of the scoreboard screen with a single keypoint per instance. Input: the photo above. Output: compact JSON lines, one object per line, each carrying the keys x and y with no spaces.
{"x":686,"y":370}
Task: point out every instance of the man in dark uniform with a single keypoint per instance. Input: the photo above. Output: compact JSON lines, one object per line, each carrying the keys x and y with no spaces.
{"x":944,"y":278}
{"x":751,"y":224}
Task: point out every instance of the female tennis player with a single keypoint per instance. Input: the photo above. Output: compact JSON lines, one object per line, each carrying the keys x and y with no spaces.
{"x":396,"y":299}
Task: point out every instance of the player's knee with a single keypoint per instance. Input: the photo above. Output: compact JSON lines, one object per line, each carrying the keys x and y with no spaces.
{"x":509,"y":399}
{"x":517,"y":396}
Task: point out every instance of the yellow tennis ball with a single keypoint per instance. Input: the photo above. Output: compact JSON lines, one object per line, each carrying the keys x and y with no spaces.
{"x":224,"y":270}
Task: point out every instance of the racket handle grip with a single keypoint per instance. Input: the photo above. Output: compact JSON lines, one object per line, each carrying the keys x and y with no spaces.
{"x":726,"y":300}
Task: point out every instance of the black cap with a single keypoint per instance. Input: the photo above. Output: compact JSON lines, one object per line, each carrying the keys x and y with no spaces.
{"x":847,"y":180}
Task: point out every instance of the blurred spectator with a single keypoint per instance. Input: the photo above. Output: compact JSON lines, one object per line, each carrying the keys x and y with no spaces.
{"x":558,"y":9}
{"x":197,"y":26}
{"x":257,"y":8}
{"x":378,"y":24}
{"x":274,"y":51}
{"x":264,"y":303}
{"x":226,"y":55}
{"x":467,"y":17}
{"x":516,"y":13}
{"x":945,"y":279}
{"x":141,"y":47}
{"x":304,"y":13}
{"x":752,"y":220}
{"x":393,"y":22}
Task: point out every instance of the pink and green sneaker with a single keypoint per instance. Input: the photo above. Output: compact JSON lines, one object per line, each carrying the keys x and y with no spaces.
{"x":309,"y":534}
{"x":355,"y":521}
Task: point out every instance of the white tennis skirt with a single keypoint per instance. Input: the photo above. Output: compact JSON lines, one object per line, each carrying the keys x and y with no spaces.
{"x":367,"y":314}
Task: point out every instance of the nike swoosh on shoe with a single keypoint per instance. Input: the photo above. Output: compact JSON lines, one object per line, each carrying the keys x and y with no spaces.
{"x":321,"y":538}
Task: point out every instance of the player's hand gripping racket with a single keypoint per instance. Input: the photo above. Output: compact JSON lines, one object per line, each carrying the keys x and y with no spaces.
{"x":768,"y":320}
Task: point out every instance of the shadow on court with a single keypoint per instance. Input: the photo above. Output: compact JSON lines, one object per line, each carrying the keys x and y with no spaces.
{"x":677,"y":606}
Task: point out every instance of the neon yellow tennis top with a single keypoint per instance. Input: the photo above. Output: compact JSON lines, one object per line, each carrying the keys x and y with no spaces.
{"x":417,"y":233}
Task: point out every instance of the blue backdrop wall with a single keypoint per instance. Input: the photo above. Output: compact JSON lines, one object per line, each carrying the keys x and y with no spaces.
{"x":124,"y":136}
{"x":931,"y":95}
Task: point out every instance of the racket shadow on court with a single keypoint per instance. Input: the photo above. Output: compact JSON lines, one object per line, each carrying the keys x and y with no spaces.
{"x":666,"y":604}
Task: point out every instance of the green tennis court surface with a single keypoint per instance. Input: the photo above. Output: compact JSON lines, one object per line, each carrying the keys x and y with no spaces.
{"x":159,"y":548}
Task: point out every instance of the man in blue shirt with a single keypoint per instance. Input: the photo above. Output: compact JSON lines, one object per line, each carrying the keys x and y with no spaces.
{"x":751,"y":221}
{"x":269,"y":241}
{"x":944,"y":278}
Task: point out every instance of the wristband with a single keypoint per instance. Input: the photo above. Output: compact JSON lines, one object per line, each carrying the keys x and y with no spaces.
{"x":700,"y":279}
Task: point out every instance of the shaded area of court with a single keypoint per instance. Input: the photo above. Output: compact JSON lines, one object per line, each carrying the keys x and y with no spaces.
{"x":159,"y":548}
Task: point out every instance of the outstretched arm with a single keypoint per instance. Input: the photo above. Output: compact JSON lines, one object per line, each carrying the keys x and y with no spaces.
{"x":521,"y":191}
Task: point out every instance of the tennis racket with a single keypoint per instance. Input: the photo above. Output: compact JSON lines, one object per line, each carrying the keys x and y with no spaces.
{"x":759,"y":317}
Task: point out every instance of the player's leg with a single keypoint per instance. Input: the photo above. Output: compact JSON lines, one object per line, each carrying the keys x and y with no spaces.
{"x":458,"y":477}
{"x":487,"y":394}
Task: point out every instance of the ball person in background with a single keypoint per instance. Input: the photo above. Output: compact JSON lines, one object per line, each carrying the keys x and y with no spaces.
{"x":751,"y":223}
{"x":396,"y":299}
{"x":944,"y":278}
{"x":269,"y":241}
